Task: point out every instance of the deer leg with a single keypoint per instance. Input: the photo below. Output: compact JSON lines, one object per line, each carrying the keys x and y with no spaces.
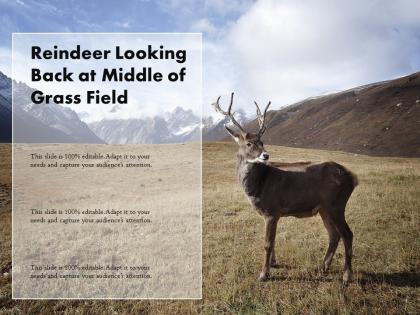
{"x":273,"y":261}
{"x":334,"y":238}
{"x":347,"y":236}
{"x":270,"y":235}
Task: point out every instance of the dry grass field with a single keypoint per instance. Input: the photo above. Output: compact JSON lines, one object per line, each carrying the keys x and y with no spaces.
{"x":383,"y":213}
{"x":169,"y":245}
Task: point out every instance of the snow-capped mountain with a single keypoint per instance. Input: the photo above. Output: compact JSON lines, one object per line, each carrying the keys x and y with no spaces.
{"x":183,"y":125}
{"x":179,"y":125}
{"x":31,"y":129}
{"x":56,"y":123}
{"x":179,"y":118}
{"x":39,"y":122}
{"x":214,"y":130}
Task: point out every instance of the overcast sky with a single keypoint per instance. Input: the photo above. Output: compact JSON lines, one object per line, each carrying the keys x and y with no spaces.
{"x":282,"y":51}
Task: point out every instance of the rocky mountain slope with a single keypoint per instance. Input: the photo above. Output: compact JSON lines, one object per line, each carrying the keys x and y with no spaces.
{"x":382,"y":118}
{"x":378,"y":119}
{"x":5,"y":120}
{"x":39,"y":122}
{"x":5,"y":108}
{"x":215,"y":130}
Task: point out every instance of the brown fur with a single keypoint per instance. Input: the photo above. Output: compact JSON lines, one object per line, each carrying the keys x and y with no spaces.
{"x":300,"y":189}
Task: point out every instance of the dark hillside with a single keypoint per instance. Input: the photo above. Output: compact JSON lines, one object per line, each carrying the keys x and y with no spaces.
{"x":377,"y":119}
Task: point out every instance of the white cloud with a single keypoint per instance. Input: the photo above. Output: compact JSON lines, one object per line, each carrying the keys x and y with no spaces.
{"x":286,"y":51}
{"x":204,"y":26}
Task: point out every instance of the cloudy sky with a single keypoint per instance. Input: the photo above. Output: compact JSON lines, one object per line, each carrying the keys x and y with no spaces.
{"x":282,"y":51}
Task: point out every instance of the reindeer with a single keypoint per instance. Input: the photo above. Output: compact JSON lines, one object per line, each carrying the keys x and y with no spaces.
{"x":301,"y":190}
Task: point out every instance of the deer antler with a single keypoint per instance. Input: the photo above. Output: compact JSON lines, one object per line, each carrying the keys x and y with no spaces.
{"x":261,"y":118}
{"x":229,"y":113}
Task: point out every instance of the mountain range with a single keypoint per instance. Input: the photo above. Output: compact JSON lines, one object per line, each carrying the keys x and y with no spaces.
{"x":38,"y":123}
{"x":381,"y":118}
{"x":180,"y":125}
{"x":46,"y":123}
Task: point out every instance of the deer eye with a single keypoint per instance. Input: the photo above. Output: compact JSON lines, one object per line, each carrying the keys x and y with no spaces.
{"x":249,"y":144}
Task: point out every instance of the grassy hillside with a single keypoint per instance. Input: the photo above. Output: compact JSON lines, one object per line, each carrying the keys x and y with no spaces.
{"x":380,"y":119}
{"x":383,"y":213}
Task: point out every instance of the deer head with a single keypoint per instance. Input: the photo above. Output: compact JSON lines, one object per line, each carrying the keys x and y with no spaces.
{"x":251,"y":147}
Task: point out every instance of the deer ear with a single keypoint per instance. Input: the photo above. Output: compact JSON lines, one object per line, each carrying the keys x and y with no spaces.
{"x":233,"y":133}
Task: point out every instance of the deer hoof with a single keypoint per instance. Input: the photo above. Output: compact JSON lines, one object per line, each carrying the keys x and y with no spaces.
{"x":347,"y":277}
{"x":263,"y":277}
{"x":322,"y":269}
